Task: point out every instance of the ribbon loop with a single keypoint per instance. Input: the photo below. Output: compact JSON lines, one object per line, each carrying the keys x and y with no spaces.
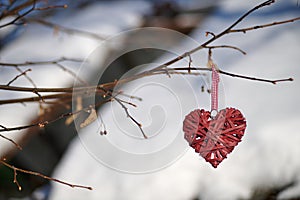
{"x":214,"y":90}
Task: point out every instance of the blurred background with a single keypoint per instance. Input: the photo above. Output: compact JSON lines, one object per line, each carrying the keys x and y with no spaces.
{"x":265,"y":165}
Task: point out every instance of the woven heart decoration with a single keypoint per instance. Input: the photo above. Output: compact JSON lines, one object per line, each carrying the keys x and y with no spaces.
{"x":214,"y":138}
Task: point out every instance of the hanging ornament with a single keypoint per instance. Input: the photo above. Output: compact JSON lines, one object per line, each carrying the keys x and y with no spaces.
{"x":214,"y":134}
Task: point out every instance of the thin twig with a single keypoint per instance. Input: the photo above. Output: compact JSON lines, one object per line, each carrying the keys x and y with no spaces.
{"x":110,"y":85}
{"x":93,"y":89}
{"x":60,"y":96}
{"x":236,"y":75}
{"x":19,"y":17}
{"x":15,"y":178}
{"x":66,"y":29}
{"x":256,"y":79}
{"x":9,"y":11}
{"x":217,"y":36}
{"x":12,"y":141}
{"x":56,"y":62}
{"x":15,"y":169}
{"x":129,"y":103}
{"x":48,"y":62}
{"x":139,"y":125}
{"x":28,"y":89}
{"x":158,"y":70}
{"x":26,"y":76}
{"x":67,"y":97}
{"x":244,"y":30}
{"x":203,"y":45}
{"x":42,"y":124}
{"x":129,"y":96}
{"x":228,"y":47}
{"x":74,"y":75}
{"x":51,"y":7}
{"x":121,"y":103}
{"x":18,"y":76}
{"x":33,"y":8}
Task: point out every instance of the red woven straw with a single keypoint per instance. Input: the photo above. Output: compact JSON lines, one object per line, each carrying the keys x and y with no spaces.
{"x":214,"y":138}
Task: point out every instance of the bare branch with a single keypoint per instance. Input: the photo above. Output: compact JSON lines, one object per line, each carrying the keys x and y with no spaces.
{"x":15,"y":178}
{"x":18,"y":76}
{"x":61,"y":97}
{"x":256,"y":79}
{"x":244,"y":30}
{"x":235,"y":75}
{"x":121,"y":103}
{"x":14,"y":11}
{"x":266,"y":3}
{"x":74,"y":75}
{"x":147,"y":73}
{"x":64,"y":95}
{"x":15,"y":169}
{"x":64,"y":29}
{"x":42,"y":124}
{"x":26,"y":76}
{"x":67,"y":92}
{"x":226,"y":31}
{"x":34,"y":90}
{"x":204,"y":45}
{"x":10,"y":140}
{"x":56,"y":62}
{"x":139,"y":125}
{"x":51,"y":7}
{"x":228,"y":47}
{"x":24,"y":73}
{"x":49,"y":62}
{"x":19,"y":16}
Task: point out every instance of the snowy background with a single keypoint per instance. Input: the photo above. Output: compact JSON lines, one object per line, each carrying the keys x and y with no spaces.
{"x":270,"y":149}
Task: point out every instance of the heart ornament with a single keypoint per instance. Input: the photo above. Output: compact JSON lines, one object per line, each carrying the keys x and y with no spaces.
{"x":214,"y":138}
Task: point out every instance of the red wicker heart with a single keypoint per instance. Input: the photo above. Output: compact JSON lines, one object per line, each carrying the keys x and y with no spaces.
{"x":214,"y":138}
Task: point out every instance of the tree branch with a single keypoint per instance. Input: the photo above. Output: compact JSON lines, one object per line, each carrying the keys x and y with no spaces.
{"x":15,"y":169}
{"x":42,"y":124}
{"x":244,"y":30}
{"x":66,"y":94}
{"x":64,"y":29}
{"x":10,"y":140}
{"x":100,"y":89}
{"x":235,"y":75}
{"x":49,"y":62}
{"x":33,"y":8}
{"x":226,"y":46}
{"x":139,"y":125}
{"x":19,"y":16}
{"x":23,"y":73}
{"x":226,"y":31}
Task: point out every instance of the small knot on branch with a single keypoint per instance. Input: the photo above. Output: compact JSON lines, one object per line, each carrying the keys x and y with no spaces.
{"x":42,"y":124}
{"x":207,"y":33}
